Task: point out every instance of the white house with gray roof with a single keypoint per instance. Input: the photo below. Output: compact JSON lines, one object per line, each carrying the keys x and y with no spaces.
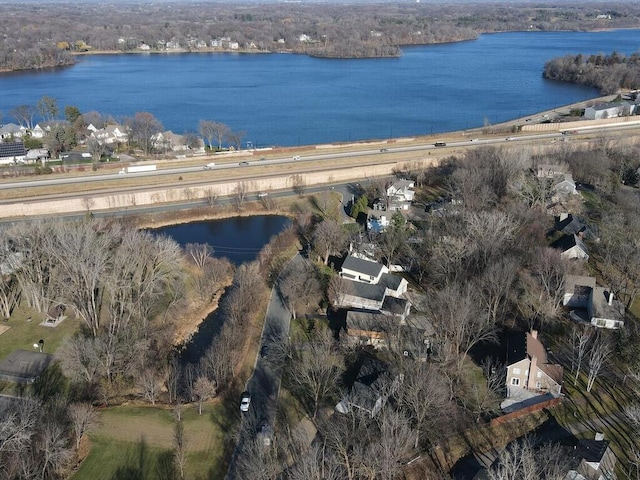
{"x":607,"y":110}
{"x":361,"y":270}
{"x":368,"y":284}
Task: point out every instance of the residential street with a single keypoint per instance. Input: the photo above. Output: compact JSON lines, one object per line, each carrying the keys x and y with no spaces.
{"x":264,"y":383}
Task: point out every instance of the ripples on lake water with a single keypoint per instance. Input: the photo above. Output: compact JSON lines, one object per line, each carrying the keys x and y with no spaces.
{"x":294,"y":99}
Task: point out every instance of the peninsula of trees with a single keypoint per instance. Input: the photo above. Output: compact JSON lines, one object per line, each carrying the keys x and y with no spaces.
{"x":609,"y":73}
{"x":46,"y":35}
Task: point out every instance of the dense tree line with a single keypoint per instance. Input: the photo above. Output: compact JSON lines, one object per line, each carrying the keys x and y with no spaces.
{"x":609,"y":73}
{"x":45,"y":35}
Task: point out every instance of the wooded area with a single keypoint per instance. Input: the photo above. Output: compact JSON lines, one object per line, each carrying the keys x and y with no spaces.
{"x":609,"y":73}
{"x":46,"y":35}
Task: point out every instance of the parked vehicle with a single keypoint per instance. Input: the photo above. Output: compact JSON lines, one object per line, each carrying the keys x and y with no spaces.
{"x":245,"y":401}
{"x":209,"y":166}
{"x":138,"y":169}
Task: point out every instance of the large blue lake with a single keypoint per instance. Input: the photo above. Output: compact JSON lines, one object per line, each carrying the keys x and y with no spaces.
{"x":280,"y":99}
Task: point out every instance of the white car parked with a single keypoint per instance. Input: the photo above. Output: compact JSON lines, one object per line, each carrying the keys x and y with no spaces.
{"x":245,"y":401}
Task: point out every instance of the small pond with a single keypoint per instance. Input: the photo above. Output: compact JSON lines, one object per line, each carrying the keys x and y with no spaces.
{"x":239,"y":239}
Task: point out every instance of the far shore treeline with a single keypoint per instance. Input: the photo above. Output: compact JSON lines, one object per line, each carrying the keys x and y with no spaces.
{"x":51,"y":36}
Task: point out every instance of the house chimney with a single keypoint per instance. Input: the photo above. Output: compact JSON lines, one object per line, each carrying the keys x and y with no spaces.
{"x":610,"y":298}
{"x":564,"y":216}
{"x":599,"y":437}
{"x":534,"y":334}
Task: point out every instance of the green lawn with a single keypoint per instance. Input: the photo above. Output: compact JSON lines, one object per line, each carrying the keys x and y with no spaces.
{"x":23,"y":333}
{"x":137,"y":440}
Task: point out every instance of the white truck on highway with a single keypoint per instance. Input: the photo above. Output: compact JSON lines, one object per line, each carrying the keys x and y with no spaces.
{"x":137,"y":169}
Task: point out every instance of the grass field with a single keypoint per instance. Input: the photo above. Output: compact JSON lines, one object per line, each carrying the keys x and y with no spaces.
{"x":136,"y":442}
{"x":23,"y":333}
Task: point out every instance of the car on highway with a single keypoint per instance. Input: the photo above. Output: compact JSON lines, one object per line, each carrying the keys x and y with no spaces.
{"x":296,"y":157}
{"x":510,"y":139}
{"x":243,"y":164}
{"x":245,"y":401}
{"x":384,"y":150}
{"x":209,"y":166}
{"x":262,"y":194}
{"x":440,"y":144}
{"x":473,"y":140}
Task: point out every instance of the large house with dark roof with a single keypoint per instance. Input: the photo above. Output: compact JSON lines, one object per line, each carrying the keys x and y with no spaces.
{"x":530,"y":370}
{"x":369,"y":283}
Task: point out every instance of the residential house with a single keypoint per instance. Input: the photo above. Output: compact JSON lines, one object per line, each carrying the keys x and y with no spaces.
{"x":11,"y":131}
{"x":368,"y":284}
{"x":362,"y":270}
{"x":363,"y":327}
{"x":577,"y":290}
{"x":591,"y":303}
{"x":571,"y":246}
{"x":400,"y":195}
{"x":375,"y":383}
{"x":530,"y":370}
{"x":604,"y":311}
{"x":593,"y":460}
{"x":172,"y":141}
{"x":36,"y":154}
{"x":110,"y":134}
{"x":565,"y":187}
{"x":550,"y":171}
{"x":570,"y":224}
{"x":369,"y":296}
{"x":377,"y":328}
{"x":12,"y":153}
{"x":607,"y":110}
{"x":38,"y":131}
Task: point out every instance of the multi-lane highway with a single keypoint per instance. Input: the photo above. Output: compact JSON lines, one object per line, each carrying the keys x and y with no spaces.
{"x":382,"y":152}
{"x":243,"y":162}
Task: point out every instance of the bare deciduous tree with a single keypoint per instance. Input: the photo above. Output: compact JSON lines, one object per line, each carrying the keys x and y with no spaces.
{"x":423,"y":394}
{"x":580,"y":339}
{"x":328,"y":238}
{"x":179,"y":447}
{"x":240,"y":194}
{"x":598,"y":355}
{"x":143,"y":128}
{"x":459,"y":322}
{"x":314,"y":369}
{"x":204,"y":389}
{"x":211,"y":195}
{"x":298,"y":285}
{"x":83,"y":417}
{"x":299,"y":184}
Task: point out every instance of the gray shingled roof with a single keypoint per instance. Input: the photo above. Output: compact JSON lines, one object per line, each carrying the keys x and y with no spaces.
{"x":363,"y":266}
